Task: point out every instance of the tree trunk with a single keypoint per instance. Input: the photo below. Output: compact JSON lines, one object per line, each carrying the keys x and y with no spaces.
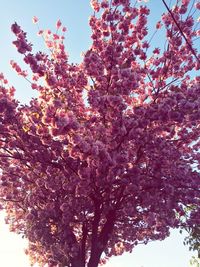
{"x":77,"y":263}
{"x":102,"y":240}
{"x":94,"y":260}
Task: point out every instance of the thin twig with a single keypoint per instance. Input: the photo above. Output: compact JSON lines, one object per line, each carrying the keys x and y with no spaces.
{"x":182,"y":33}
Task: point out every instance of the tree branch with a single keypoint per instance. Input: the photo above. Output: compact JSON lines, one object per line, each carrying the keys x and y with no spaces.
{"x":181,"y":32}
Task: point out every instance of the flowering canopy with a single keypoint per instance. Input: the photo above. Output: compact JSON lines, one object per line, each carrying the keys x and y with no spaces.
{"x":106,"y":156}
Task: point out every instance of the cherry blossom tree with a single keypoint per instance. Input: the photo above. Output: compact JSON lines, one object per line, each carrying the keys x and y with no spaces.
{"x":107,"y":156}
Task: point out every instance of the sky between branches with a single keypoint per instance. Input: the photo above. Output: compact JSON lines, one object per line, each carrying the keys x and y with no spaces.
{"x":74,"y":15}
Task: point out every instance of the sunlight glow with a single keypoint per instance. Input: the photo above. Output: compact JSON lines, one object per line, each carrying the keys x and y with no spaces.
{"x":168,"y":253}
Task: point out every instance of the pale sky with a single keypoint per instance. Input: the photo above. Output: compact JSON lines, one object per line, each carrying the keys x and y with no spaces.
{"x":74,"y":15}
{"x":168,"y":253}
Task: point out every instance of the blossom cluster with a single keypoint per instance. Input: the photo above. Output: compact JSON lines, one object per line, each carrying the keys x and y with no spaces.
{"x":107,"y":156}
{"x":21,"y":42}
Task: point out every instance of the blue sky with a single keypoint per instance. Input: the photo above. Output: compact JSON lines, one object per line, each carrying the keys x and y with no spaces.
{"x":74,"y":15}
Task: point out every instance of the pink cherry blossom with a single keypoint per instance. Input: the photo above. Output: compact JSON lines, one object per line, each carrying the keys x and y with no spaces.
{"x":58,"y":24}
{"x":107,"y":155}
{"x":35,"y":20}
